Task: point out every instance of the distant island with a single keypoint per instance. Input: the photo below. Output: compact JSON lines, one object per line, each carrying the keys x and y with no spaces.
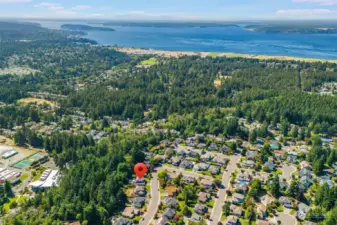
{"x":81,"y":27}
{"x":291,"y":29}
{"x":169,"y":24}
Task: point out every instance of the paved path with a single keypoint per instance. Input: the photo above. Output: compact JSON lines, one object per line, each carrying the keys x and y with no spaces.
{"x":286,"y":219}
{"x":185,"y":172}
{"x":287,"y":171}
{"x":154,"y":202}
{"x":220,"y":201}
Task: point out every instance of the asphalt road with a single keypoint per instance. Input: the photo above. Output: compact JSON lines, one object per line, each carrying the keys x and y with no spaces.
{"x":287,"y":172}
{"x":220,"y":201}
{"x":154,"y":202}
{"x":286,"y":219}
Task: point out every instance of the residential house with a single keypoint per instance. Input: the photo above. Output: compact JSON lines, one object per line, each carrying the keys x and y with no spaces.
{"x":170,"y":202}
{"x":305,"y":165}
{"x":251,"y":155}
{"x":270,"y":166}
{"x":204,"y":197}
{"x":274,"y":145}
{"x":163,"y":221}
{"x":238,"y":198}
{"x":191,"y":142}
{"x":140,"y":191}
{"x":286,"y":202}
{"x":305,"y":172}
{"x":200,"y":209}
{"x":171,"y":190}
{"x":206,"y":183}
{"x":225,"y":150}
{"x":302,"y":211}
{"x":261,"y":211}
{"x":196,"y":218}
{"x":200,"y":167}
{"x":138,"y":202}
{"x":201,"y":146}
{"x":188,"y":180}
{"x":213,"y":147}
{"x":306,"y":181}
{"x":178,"y":141}
{"x":267,"y":200}
{"x":129,"y":212}
{"x":236,"y":210}
{"x":248,"y":164}
{"x":120,"y":221}
{"x":181,"y":152}
{"x":304,"y":149}
{"x":140,"y":181}
{"x":206,"y":157}
{"x":175,"y":160}
{"x":232,"y":220}
{"x":169,"y":213}
{"x":292,"y":157}
{"x":279,"y":155}
{"x":243,"y":178}
{"x":214,"y":170}
{"x":220,"y":160}
{"x":192,"y":154}
{"x":219,"y":139}
{"x":241,"y":188}
{"x":186,"y":164}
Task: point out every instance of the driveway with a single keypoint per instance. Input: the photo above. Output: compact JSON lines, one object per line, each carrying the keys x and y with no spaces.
{"x":286,"y":219}
{"x":287,"y":171}
{"x":220,"y":201}
{"x":154,"y":202}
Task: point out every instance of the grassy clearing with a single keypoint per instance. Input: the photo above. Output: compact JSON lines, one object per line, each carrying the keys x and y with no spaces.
{"x":35,"y":100}
{"x":24,"y":176}
{"x":38,"y":175}
{"x":149,"y":62}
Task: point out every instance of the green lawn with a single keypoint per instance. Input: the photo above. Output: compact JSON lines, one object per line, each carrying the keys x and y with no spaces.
{"x":24,"y":176}
{"x":38,"y":175}
{"x":149,"y":62}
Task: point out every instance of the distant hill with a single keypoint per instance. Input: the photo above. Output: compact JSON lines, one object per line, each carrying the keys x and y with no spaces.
{"x":169,"y":24}
{"x":80,"y":27}
{"x":304,"y":29}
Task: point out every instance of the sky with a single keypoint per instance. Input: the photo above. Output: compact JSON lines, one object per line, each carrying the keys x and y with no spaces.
{"x":170,"y":9}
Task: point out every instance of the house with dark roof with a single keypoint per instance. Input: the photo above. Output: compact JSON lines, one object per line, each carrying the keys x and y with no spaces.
{"x":188,"y":179}
{"x":302,"y":211}
{"x":140,"y":191}
{"x":248,"y":164}
{"x":169,"y":213}
{"x":170,"y":202}
{"x":175,"y":160}
{"x":200,"y":167}
{"x":286,"y":202}
{"x":200,"y":209}
{"x":138,"y":202}
{"x":213,"y":147}
{"x":186,"y":164}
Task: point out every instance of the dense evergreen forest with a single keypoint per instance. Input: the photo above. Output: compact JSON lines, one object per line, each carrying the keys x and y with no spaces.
{"x":181,"y":90}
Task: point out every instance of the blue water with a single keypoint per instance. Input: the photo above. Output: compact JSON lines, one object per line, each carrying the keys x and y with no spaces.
{"x":227,"y":39}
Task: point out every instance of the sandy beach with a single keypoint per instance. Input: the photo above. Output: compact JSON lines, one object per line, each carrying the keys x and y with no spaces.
{"x":177,"y":54}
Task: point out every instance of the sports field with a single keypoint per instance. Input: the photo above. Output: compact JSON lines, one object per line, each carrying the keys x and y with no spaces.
{"x":26,"y":162}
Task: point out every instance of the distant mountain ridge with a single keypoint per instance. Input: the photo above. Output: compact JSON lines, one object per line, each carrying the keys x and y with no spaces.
{"x":81,"y":27}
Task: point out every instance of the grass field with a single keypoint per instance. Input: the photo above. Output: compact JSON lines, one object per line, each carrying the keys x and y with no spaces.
{"x":24,"y":176}
{"x":35,"y":100}
{"x":149,"y":62}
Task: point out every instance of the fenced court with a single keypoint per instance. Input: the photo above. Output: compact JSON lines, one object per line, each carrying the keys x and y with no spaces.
{"x":28,"y":161}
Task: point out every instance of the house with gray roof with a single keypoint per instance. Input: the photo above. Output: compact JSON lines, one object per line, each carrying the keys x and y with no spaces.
{"x":213,"y":147}
{"x":138,"y":202}
{"x":214,"y":170}
{"x":169,"y":213}
{"x":238,"y":198}
{"x":170,"y":202}
{"x":186,"y":164}
{"x":200,"y":167}
{"x":251,"y":155}
{"x":248,"y":164}
{"x":302,"y":211}
{"x":200,"y":209}
{"x":196,"y":218}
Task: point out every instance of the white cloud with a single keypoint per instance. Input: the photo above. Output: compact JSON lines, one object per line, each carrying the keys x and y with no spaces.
{"x":306,"y":12}
{"x":81,"y":7}
{"x":321,"y":2}
{"x":13,"y":1}
{"x":97,"y":15}
{"x":57,"y":8}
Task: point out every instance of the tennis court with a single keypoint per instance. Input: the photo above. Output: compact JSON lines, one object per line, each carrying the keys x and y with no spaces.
{"x":26,"y":162}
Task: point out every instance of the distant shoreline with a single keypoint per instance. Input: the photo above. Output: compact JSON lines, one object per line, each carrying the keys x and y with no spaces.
{"x":177,"y":54}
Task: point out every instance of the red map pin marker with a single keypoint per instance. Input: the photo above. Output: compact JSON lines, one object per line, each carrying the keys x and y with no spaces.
{"x":140,"y":169}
